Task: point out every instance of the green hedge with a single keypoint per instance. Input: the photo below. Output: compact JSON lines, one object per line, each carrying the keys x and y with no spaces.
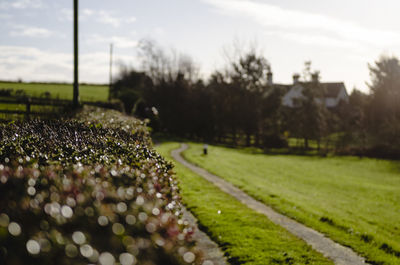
{"x":91,"y":191}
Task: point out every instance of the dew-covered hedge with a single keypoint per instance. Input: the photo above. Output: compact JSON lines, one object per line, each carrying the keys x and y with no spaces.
{"x":91,"y":191}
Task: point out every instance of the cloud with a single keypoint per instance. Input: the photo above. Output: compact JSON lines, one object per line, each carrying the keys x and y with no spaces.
{"x":6,"y":16}
{"x":106,"y":18}
{"x":30,"y":31}
{"x":100,"y":16}
{"x":21,"y":4}
{"x":87,"y":12}
{"x":33,"y":64}
{"x":298,"y":22}
{"x":313,"y":39}
{"x":130,"y":20}
{"x":159,"y":31}
{"x":66,"y":14}
{"x":118,"y":41}
{"x":28,"y":63}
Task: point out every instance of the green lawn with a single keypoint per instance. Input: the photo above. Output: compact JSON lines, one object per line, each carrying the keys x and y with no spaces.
{"x":246,"y":236}
{"x":62,"y":91}
{"x":354,"y":201}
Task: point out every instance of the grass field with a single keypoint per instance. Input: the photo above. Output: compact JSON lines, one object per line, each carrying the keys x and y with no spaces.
{"x":354,"y":201}
{"x":247,"y":237}
{"x":61,"y":91}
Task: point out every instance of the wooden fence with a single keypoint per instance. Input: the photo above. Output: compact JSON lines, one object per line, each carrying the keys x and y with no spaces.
{"x":34,"y":101}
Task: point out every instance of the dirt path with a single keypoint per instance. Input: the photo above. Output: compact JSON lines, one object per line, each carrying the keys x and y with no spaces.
{"x":339,"y":254}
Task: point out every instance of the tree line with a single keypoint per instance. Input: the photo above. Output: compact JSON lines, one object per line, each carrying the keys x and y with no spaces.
{"x":238,"y":105}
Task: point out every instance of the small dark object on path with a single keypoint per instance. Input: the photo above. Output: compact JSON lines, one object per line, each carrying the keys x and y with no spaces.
{"x":205,"y":149}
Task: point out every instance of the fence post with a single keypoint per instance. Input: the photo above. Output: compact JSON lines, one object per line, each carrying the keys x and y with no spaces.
{"x":76,"y":54}
{"x":28,"y":108}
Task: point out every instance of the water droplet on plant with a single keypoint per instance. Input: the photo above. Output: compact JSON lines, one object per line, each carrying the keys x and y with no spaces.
{"x":139,"y":200}
{"x":71,"y":202}
{"x":160,"y":242}
{"x":102,"y":220}
{"x":106,"y":258}
{"x":14,"y":229}
{"x":71,"y":250}
{"x":156,"y":211}
{"x":31,"y":182}
{"x":189,"y":257}
{"x":4,"y":220}
{"x":3,"y":179}
{"x":151,"y":228}
{"x":66,"y":211}
{"x":89,"y":211}
{"x":33,"y":247}
{"x":121,"y":207}
{"x":78,"y":237}
{"x":31,"y":191}
{"x":95,"y":256}
{"x":118,"y":229}
{"x":86,"y":251}
{"x":45,"y":245}
{"x":130,"y":219}
{"x":127,"y":259}
{"x":142,"y":217}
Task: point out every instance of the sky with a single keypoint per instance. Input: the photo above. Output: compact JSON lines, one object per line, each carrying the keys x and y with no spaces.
{"x":340,"y":37}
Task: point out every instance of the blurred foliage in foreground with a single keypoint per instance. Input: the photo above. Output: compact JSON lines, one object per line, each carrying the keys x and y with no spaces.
{"x":79,"y":192}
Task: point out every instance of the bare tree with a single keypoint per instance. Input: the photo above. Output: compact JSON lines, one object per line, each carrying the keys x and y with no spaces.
{"x":166,"y":66}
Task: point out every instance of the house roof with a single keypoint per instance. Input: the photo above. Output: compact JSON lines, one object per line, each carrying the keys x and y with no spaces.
{"x":331,"y":90}
{"x":285,"y":88}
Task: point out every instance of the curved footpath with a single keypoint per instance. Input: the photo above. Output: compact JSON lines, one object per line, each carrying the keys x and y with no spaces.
{"x":339,"y":254}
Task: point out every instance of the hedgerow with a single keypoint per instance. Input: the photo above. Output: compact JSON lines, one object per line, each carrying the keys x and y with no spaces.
{"x":91,"y":191}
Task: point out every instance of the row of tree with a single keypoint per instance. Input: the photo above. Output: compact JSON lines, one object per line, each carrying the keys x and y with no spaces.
{"x":239,"y":106}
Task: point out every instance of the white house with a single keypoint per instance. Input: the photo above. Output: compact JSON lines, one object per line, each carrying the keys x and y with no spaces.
{"x":333,"y":92}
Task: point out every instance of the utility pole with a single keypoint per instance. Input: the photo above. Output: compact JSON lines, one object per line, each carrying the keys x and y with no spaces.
{"x":111,"y":53}
{"x":76,"y":80}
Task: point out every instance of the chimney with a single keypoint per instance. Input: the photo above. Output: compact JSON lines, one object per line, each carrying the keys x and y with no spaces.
{"x":296,"y":78}
{"x":315,"y":77}
{"x":269,"y":78}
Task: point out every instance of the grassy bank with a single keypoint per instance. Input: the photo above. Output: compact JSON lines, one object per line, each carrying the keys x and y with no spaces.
{"x":246,"y":236}
{"x":354,"y":201}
